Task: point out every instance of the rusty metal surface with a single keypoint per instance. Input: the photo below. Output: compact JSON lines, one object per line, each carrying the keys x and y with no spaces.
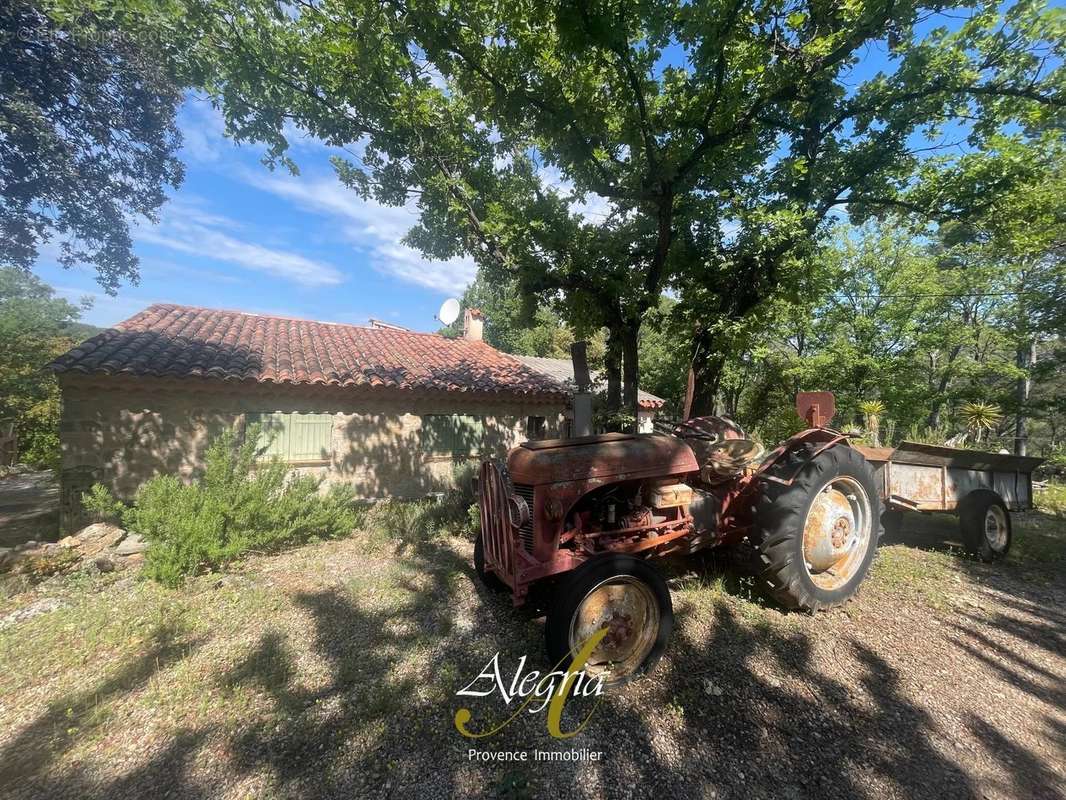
{"x":934,"y":455}
{"x":923,"y":477}
{"x":818,"y":408}
{"x":618,"y":456}
{"x":627,"y":608}
{"x":498,"y":534}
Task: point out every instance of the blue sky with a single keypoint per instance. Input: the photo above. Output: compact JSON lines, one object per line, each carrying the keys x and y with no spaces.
{"x":236,"y":235}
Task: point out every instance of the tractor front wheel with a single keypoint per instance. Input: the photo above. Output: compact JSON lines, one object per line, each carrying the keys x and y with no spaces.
{"x":626,"y":596}
{"x":487,"y":577}
{"x":817,"y":536}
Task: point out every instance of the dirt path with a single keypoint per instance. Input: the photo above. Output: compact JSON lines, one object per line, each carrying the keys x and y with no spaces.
{"x":29,"y":508}
{"x":331,"y":671}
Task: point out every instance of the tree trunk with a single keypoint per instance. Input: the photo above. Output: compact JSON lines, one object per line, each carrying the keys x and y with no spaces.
{"x":631,"y":371}
{"x":1025,"y":359}
{"x":613,"y":367}
{"x":707,"y":375}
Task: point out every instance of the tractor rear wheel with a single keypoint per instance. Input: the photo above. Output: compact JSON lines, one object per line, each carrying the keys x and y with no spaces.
{"x":627,"y":596}
{"x":818,"y":536}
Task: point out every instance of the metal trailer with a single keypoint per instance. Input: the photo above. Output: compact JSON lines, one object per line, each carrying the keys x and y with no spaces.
{"x":982,"y":488}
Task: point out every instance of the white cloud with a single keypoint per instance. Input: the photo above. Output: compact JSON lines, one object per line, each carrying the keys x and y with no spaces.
{"x":202,"y":130}
{"x":187,"y":228}
{"x":377,"y":228}
{"x":595,"y":207}
{"x":106,"y":311}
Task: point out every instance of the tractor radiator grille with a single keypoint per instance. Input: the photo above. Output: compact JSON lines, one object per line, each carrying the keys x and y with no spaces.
{"x":525,"y":533}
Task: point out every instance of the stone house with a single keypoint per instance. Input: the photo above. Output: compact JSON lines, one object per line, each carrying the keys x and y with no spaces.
{"x":388,"y":410}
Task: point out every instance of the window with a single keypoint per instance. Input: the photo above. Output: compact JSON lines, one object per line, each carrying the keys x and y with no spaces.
{"x":452,"y":434}
{"x":535,"y":428}
{"x":294,"y":437}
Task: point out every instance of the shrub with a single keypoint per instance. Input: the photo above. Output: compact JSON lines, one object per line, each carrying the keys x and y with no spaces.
{"x":101,"y":505}
{"x":421,"y":520}
{"x":238,"y":506}
{"x":1052,"y":499}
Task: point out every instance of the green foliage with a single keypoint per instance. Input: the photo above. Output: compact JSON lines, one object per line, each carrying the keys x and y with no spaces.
{"x":35,"y":327}
{"x":519,"y":324}
{"x":89,"y":137}
{"x":1052,"y":499}
{"x":872,"y":408}
{"x":606,"y":420}
{"x":237,"y":506}
{"x":101,"y":505}
{"x":664,"y":355}
{"x":777,"y":427}
{"x":594,"y":158}
{"x":981,"y":416}
{"x":927,"y":435}
{"x":454,"y":512}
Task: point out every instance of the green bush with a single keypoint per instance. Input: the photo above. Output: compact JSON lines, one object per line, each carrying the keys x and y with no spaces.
{"x":101,"y":505}
{"x":1051,"y":500}
{"x":238,"y":506}
{"x":420,"y":520}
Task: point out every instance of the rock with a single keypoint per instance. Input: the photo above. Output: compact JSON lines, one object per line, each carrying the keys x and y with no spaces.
{"x":98,"y":537}
{"x":134,"y":561}
{"x":131,"y":545}
{"x":711,"y":688}
{"x":44,"y":606}
{"x":68,"y":541}
{"x":5,"y":556}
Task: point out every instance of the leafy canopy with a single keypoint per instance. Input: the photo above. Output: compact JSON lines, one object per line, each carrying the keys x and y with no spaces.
{"x":610,"y":148}
{"x":35,"y":327}
{"x":87,"y":139}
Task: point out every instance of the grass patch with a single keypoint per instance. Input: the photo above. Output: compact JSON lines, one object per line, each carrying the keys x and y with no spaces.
{"x":1039,"y":538}
{"x":906,"y":571}
{"x":1051,"y":500}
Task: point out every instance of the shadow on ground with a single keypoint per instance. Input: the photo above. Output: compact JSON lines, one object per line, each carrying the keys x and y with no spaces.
{"x":713,"y":720}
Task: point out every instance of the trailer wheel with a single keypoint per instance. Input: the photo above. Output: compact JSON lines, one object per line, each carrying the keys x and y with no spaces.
{"x":985,"y":525}
{"x":628,"y":597}
{"x":818,"y":536}
{"x":490,"y":579}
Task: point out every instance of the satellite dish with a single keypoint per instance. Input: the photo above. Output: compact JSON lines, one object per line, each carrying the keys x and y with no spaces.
{"x":449,"y":311}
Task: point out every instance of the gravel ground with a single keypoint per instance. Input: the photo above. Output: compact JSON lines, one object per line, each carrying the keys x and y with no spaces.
{"x":331,"y":671}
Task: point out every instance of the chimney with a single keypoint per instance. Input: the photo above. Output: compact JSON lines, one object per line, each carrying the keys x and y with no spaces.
{"x":473,"y":324}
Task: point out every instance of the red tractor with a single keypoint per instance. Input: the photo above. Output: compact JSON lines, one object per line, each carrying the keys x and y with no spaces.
{"x":582,"y":518}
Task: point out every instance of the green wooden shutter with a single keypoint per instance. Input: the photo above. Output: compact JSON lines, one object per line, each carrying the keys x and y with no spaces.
{"x":436,"y":434}
{"x":469,"y":435}
{"x":452,"y":434}
{"x":309,"y":437}
{"x":294,"y":437}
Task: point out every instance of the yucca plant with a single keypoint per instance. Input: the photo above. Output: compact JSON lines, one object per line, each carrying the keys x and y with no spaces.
{"x":981,"y":417}
{"x":871,"y":412}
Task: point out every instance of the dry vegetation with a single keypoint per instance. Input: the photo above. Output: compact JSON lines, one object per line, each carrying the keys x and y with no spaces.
{"x":330,"y":671}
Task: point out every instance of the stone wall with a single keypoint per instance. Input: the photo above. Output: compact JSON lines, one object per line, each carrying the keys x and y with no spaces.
{"x":120,"y":431}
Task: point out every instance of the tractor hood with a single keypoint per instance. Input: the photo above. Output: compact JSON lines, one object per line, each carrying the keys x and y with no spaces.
{"x":613,"y":456}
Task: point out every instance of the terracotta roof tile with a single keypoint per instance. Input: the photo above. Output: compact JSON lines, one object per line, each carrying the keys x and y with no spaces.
{"x":170,"y":341}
